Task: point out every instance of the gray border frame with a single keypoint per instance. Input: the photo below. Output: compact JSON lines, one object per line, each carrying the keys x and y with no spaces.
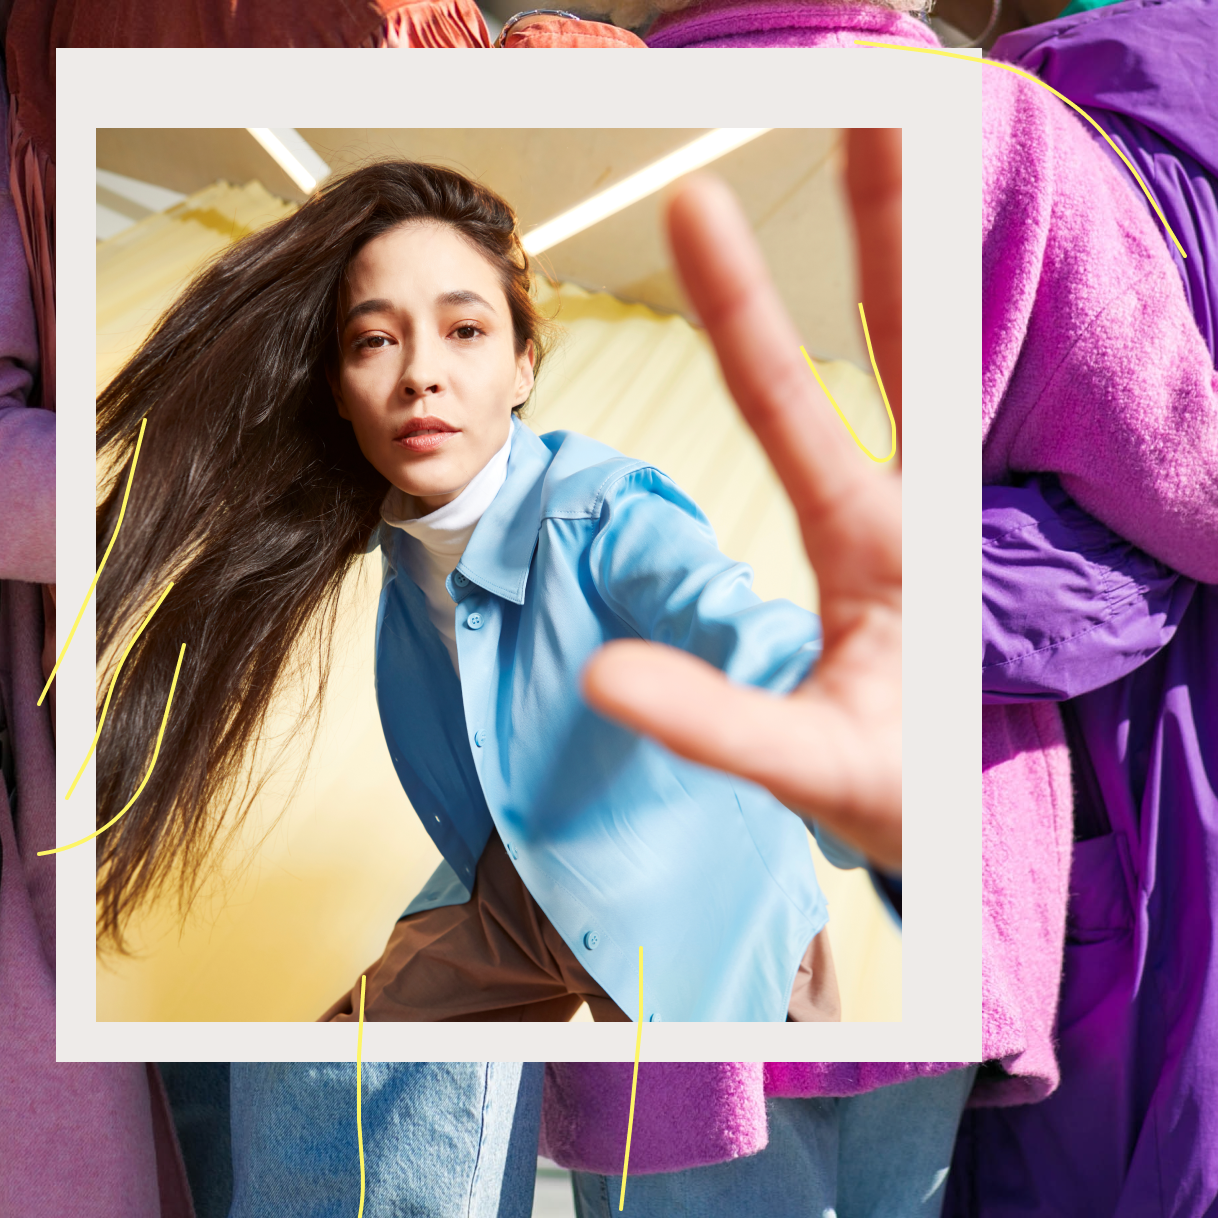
{"x":938,"y":103}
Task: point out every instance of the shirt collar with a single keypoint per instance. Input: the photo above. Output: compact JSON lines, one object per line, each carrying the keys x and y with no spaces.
{"x":447,"y":530}
{"x":500,"y":551}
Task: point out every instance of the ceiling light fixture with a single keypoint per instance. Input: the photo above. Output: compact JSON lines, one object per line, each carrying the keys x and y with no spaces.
{"x":292,"y":154}
{"x":653,"y":177}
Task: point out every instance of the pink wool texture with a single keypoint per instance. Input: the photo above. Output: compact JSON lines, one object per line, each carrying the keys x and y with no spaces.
{"x":1092,"y":369}
{"x":785,"y":23}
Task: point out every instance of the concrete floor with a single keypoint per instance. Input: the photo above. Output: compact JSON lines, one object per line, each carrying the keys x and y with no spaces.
{"x":553,"y":1196}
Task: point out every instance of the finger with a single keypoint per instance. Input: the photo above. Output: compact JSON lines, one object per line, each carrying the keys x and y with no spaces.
{"x":873,"y":186}
{"x":758,"y":348}
{"x":794,"y":747}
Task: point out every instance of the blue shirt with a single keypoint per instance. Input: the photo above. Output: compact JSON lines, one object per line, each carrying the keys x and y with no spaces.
{"x":621,"y":843}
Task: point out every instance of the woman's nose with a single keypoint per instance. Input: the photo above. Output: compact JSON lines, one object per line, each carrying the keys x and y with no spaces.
{"x":413,"y":389}
{"x":423,"y":374}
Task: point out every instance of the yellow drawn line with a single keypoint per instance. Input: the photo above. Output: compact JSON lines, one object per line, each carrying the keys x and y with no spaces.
{"x":155,"y":754}
{"x":119,"y":525}
{"x":879,"y":381}
{"x":997,"y":63}
{"x":110,"y":692}
{"x":638,"y":1039}
{"x":359,"y":1090}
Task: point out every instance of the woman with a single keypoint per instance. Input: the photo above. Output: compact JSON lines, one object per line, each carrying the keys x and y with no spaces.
{"x":382,"y":339}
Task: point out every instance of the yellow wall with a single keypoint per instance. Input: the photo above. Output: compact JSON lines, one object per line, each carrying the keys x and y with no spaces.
{"x":308,"y":894}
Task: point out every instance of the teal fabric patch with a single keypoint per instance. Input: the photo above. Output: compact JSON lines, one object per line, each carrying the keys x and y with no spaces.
{"x":1083,"y":6}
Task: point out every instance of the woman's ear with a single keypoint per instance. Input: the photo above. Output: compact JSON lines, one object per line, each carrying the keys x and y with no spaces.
{"x":333,"y":382}
{"x":524,"y":372}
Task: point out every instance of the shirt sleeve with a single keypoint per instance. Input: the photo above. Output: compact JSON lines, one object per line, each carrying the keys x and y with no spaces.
{"x":1067,"y":605}
{"x":887,"y":886}
{"x":655,"y":563}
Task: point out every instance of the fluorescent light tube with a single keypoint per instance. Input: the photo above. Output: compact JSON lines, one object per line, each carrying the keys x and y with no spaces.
{"x":653,"y":177}
{"x":292,"y":154}
{"x":143,"y":194}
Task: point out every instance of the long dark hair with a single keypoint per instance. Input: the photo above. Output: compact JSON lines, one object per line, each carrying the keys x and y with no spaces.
{"x":253,"y":496}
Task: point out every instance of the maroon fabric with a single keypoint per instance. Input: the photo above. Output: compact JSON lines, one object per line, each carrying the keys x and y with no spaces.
{"x":435,"y":23}
{"x":32,"y":183}
{"x":37,"y":27}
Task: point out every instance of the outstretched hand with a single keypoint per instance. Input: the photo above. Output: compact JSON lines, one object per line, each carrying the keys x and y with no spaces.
{"x":831,"y":750}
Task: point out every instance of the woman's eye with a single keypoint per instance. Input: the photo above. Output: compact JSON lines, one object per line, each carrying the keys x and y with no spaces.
{"x":467,"y":331}
{"x":371,"y":341}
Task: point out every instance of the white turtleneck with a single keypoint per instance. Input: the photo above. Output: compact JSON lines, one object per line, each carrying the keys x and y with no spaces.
{"x":438,"y":539}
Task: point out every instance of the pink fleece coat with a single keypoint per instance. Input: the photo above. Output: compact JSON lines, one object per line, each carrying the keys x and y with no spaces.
{"x":1093,"y":369}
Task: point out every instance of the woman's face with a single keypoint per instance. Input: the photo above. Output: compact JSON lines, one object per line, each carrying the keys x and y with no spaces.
{"x":428,"y":371}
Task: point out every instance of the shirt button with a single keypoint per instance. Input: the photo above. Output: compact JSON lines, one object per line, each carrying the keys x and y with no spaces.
{"x":591,"y":939}
{"x":510,"y":849}
{"x":474,"y":621}
{"x":479,"y":738}
{"x":655,"y":1017}
{"x":462,"y":581}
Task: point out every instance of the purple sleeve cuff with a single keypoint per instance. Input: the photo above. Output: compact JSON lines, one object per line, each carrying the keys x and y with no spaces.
{"x":1067,"y":605}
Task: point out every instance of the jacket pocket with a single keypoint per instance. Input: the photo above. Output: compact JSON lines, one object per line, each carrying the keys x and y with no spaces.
{"x":1098,"y":972}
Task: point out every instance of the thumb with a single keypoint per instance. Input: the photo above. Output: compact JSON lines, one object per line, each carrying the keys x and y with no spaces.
{"x":800,"y":748}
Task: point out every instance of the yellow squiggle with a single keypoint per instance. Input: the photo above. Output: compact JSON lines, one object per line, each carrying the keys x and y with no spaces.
{"x":119,"y":525}
{"x":359,"y":1091}
{"x":634,"y":1083}
{"x":155,"y":753}
{"x":879,"y":380}
{"x":1009,"y":67}
{"x":110,"y":692}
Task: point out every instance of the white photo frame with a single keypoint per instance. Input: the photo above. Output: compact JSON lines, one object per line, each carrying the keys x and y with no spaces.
{"x":937,"y":102}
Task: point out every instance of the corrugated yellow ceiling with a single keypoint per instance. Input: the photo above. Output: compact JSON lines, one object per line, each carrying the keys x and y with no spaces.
{"x":787,"y":181}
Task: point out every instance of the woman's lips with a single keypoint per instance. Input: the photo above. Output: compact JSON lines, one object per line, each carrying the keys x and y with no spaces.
{"x":424,"y":441}
{"x":424,"y":435}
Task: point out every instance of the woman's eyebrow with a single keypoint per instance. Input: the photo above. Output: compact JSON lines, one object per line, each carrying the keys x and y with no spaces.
{"x":463,"y":297}
{"x":379,"y":305}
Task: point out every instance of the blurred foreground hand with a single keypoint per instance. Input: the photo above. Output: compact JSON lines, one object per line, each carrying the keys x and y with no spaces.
{"x":831,"y":750}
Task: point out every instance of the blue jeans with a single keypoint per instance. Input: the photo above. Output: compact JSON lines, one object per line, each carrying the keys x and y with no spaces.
{"x":441,"y":1139}
{"x":883,"y":1154}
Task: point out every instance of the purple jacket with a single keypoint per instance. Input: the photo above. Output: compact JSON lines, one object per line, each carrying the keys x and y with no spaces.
{"x":1073,"y":611}
{"x":1133,"y":1128}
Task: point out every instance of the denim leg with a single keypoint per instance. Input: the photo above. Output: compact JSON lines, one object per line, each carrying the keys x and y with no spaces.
{"x":793,"y":1177}
{"x":441,"y":1139}
{"x":896,"y":1146}
{"x":198,"y":1097}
